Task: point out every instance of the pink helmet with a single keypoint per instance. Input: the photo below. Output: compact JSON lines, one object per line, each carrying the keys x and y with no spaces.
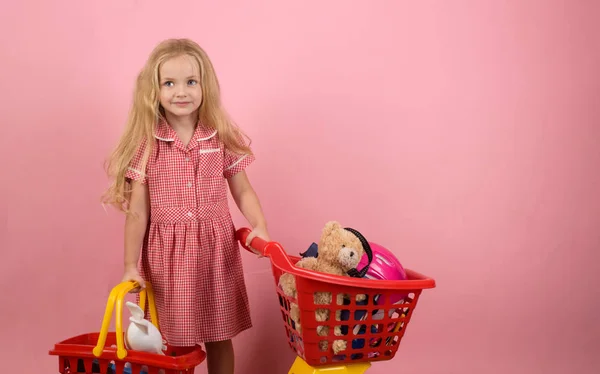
{"x":384,"y":266}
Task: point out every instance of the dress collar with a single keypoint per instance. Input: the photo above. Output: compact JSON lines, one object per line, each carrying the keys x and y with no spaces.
{"x":166,"y":133}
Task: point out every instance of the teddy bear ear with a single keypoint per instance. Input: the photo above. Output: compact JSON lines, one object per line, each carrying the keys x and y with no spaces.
{"x":331,"y":227}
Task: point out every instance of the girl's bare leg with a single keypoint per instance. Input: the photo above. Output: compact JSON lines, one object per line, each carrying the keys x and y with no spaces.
{"x":219,"y":357}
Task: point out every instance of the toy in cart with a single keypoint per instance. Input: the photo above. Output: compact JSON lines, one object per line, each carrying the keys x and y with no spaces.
{"x":345,"y":302}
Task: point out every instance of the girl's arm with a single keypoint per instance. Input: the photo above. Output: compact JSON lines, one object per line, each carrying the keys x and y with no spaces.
{"x":136,"y":223}
{"x":247,"y":201}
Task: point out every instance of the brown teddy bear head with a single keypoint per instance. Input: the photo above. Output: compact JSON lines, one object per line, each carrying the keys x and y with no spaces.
{"x":339,"y":248}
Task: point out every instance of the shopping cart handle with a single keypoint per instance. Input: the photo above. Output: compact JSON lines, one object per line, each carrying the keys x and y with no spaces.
{"x":259,"y":245}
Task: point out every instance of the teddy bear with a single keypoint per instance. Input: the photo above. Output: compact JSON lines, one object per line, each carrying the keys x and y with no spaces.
{"x":339,"y":252}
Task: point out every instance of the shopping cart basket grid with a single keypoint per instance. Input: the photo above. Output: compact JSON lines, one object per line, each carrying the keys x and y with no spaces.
{"x":372,"y":328}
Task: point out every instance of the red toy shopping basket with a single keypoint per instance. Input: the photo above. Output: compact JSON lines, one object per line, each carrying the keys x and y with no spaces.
{"x":372,"y":328}
{"x":104,"y":352}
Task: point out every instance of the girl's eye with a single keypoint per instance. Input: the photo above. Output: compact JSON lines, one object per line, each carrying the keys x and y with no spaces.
{"x":168,"y":83}
{"x":192,"y":82}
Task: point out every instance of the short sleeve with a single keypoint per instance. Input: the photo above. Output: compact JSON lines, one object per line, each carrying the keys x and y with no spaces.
{"x":134,"y":170}
{"x":233,"y":163}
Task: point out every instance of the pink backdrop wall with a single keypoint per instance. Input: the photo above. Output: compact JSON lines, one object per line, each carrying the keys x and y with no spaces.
{"x":462,"y":134}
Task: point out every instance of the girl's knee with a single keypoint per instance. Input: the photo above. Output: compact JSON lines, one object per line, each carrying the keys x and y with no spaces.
{"x":219,"y":345}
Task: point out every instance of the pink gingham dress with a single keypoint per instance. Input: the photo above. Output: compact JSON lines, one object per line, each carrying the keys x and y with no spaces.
{"x":190,"y":254}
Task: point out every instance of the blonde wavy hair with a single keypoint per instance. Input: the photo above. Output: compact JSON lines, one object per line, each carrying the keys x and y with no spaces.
{"x":146,"y":112}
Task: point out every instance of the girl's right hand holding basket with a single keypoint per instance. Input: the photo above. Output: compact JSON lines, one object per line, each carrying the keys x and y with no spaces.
{"x":131,"y":274}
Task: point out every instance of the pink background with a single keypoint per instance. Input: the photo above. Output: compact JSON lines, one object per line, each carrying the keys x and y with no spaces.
{"x":461,"y":134}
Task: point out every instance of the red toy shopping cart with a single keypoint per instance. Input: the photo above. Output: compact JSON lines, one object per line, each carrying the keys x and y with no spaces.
{"x":374,"y":327}
{"x":104,"y":352}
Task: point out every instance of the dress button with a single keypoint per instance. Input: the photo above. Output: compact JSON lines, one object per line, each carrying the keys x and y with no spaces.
{"x":189,"y":184}
{"x":190,"y":214}
{"x":187,"y":158}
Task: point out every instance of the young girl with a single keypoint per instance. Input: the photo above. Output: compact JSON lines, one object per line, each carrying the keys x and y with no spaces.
{"x":171,"y":170}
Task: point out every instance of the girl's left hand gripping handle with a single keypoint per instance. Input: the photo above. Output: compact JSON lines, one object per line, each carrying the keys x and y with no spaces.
{"x":258,"y":245}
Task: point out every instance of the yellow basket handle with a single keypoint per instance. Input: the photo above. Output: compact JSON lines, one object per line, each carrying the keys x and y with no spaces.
{"x":117,"y":294}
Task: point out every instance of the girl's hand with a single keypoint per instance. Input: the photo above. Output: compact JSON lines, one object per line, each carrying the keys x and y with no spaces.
{"x":258,"y":232}
{"x":132,"y":274}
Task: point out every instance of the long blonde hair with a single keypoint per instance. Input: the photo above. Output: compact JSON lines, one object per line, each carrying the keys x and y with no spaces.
{"x":146,"y":112}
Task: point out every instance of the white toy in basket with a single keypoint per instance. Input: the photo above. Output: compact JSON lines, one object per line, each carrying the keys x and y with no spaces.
{"x":141,"y":334}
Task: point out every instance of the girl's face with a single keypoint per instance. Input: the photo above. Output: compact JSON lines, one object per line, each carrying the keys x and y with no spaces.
{"x":180,"y":91}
